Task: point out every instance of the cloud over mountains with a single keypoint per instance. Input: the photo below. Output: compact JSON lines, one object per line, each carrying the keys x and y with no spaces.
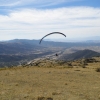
{"x":35,"y":22}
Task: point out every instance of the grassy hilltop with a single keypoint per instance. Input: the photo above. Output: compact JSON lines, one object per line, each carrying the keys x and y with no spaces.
{"x":52,"y":80}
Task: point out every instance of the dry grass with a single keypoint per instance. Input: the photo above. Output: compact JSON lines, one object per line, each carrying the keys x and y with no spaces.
{"x":37,"y":83}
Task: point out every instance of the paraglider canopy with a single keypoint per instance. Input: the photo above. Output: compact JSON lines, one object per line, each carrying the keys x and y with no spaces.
{"x":50,"y":34}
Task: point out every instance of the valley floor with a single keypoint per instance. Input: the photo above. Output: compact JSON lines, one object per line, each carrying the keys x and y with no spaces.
{"x":32,"y":83}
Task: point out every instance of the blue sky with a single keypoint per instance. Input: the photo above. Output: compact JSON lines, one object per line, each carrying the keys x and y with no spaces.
{"x":32,"y":19}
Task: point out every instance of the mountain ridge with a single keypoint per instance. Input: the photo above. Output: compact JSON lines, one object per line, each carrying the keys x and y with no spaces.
{"x":79,"y":55}
{"x":19,"y":51}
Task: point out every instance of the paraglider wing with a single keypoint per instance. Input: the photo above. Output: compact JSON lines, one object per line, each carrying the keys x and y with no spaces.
{"x":50,"y":34}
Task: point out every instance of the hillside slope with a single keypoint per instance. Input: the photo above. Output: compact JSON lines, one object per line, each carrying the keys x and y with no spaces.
{"x":19,"y":51}
{"x":79,"y":55}
{"x":54,"y":83}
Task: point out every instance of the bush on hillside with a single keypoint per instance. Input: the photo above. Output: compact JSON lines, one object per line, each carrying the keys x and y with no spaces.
{"x":98,"y":69}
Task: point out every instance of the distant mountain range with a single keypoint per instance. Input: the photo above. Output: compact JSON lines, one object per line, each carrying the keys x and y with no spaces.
{"x":18,"y":46}
{"x":20,"y":51}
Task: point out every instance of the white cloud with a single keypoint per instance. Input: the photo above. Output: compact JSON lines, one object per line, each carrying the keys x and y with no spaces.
{"x":34,"y":23}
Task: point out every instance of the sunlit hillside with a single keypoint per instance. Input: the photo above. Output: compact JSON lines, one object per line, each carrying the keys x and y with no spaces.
{"x":52,"y":80}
